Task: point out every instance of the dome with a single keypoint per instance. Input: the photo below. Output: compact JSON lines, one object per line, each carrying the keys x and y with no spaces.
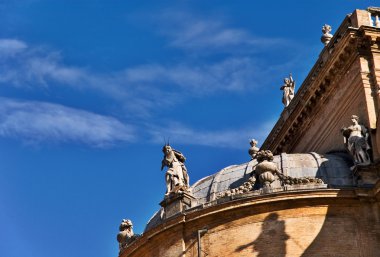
{"x":333,"y":169}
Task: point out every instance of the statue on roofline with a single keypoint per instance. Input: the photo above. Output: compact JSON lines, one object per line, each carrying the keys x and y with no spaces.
{"x":126,"y":235}
{"x":288,"y":90}
{"x":326,"y":37}
{"x":356,"y":141}
{"x":176,"y":176}
{"x":253,"y":149}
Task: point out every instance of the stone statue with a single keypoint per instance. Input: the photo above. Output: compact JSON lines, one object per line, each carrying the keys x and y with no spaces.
{"x":176,"y":176}
{"x":264,"y":176}
{"x":356,"y":140}
{"x":326,"y":37}
{"x":254,"y":149}
{"x":288,"y":88}
{"x":126,"y":235}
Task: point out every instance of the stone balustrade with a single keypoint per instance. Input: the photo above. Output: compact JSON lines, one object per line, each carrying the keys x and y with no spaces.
{"x":374,"y":13}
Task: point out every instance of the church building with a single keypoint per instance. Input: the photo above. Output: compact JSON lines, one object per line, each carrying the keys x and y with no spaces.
{"x":312,"y":189}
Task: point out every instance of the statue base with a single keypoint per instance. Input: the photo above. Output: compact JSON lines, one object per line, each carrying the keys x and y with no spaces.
{"x":176,"y":203}
{"x":366,"y":175}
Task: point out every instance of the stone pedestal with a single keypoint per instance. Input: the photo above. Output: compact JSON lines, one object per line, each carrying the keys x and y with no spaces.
{"x":267,"y":189}
{"x":176,"y":203}
{"x":367,"y":175}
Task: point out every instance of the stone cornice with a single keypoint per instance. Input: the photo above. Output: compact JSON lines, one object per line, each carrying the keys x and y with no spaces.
{"x":374,"y":10}
{"x":347,"y":44}
{"x":290,"y":199}
{"x":372,"y":37}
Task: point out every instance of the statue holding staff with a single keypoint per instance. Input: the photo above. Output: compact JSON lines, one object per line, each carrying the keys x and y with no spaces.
{"x":176,"y":176}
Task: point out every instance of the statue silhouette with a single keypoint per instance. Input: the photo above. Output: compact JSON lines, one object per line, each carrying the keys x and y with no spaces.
{"x":272,"y":239}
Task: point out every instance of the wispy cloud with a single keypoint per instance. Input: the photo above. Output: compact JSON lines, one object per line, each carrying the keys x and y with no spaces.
{"x":38,"y":66}
{"x":137,"y":88}
{"x":233,"y":74}
{"x":35,"y":122}
{"x":200,"y":34}
{"x":233,"y":138}
{"x":196,"y":33}
{"x":11,"y":46}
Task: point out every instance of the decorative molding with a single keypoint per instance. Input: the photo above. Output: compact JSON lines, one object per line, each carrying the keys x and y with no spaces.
{"x":347,"y":45}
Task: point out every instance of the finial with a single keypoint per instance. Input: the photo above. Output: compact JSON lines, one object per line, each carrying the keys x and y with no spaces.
{"x":253,"y":149}
{"x":326,"y":37}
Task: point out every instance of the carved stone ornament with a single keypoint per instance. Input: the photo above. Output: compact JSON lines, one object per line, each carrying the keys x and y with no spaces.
{"x":265,"y":168}
{"x":126,"y":235}
{"x":253,"y":149}
{"x":288,"y":90}
{"x":356,"y":140}
{"x":176,"y":176}
{"x":264,"y":174}
{"x":326,"y":37}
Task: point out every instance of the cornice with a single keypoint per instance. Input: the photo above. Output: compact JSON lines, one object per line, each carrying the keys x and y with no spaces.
{"x":297,"y":199}
{"x":347,"y":44}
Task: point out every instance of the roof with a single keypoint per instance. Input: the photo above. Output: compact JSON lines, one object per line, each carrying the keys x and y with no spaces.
{"x":333,"y":169}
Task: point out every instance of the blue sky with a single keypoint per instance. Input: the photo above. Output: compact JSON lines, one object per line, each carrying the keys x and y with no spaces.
{"x":90,"y":90}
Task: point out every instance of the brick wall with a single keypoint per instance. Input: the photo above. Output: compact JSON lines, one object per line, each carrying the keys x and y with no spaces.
{"x":325,"y":223}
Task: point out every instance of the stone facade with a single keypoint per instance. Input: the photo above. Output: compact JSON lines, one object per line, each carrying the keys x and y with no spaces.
{"x":343,"y":222}
{"x":344,"y":81}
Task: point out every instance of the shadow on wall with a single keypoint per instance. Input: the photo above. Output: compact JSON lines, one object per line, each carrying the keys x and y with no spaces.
{"x":272,"y":240}
{"x":350,"y":229}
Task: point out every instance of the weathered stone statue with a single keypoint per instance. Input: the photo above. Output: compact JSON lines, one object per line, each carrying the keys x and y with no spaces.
{"x":266,"y":177}
{"x":254,"y":149}
{"x":176,"y":176}
{"x":288,"y":88}
{"x":356,"y":140}
{"x":326,"y":37}
{"x":126,"y":235}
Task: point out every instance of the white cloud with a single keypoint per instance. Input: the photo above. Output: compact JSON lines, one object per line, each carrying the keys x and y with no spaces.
{"x":139,"y":90}
{"x":11,"y":46}
{"x":233,"y":74}
{"x":233,"y":138}
{"x":40,"y":121}
{"x":207,"y":34}
{"x":139,"y":86}
{"x":195,"y":33}
{"x":42,"y":68}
